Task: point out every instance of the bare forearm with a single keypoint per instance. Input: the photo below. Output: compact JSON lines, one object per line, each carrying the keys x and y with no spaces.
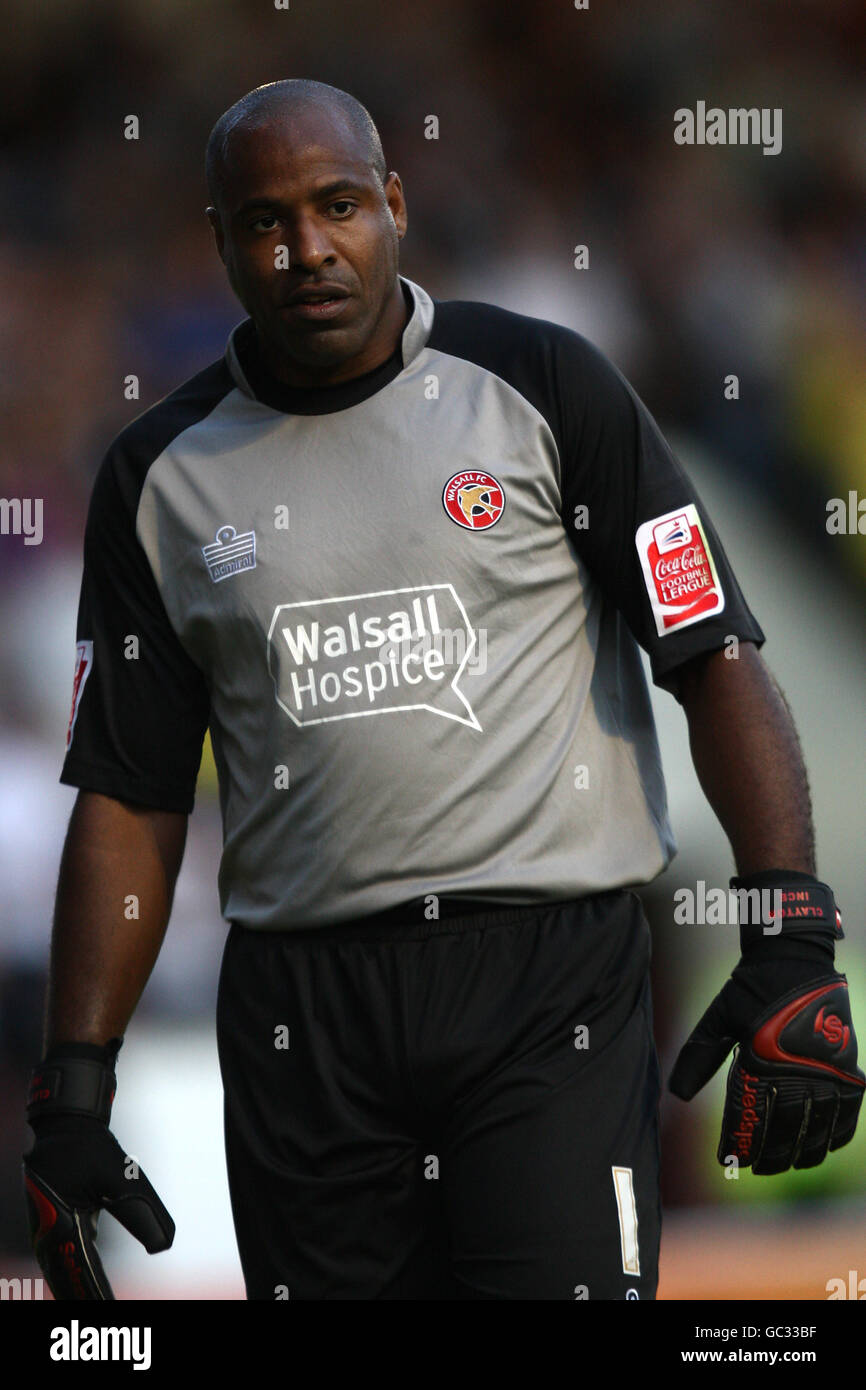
{"x":114,"y":895}
{"x":748,"y":759}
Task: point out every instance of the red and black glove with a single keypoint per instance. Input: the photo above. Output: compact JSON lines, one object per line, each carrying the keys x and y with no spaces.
{"x":794,"y":1087}
{"x":76,"y":1167}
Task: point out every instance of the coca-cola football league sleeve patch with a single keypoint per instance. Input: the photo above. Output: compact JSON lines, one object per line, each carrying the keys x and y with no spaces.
{"x":682,"y":581}
{"x":83,"y":664}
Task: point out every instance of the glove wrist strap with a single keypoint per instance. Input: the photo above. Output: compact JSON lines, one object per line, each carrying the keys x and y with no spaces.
{"x":807,"y":908}
{"x":73,"y":1079}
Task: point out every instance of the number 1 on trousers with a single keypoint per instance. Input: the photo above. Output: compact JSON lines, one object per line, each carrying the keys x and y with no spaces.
{"x":627,"y":1213}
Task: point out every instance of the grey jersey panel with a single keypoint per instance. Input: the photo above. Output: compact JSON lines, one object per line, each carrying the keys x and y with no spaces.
{"x":401,"y":704}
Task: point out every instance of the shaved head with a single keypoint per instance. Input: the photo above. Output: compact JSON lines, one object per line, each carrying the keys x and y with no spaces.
{"x":279,"y":102}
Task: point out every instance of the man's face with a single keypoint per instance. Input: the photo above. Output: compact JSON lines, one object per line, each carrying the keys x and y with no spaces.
{"x":301,"y":181}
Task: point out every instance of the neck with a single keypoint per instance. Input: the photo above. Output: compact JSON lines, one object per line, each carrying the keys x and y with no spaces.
{"x":379,"y":347}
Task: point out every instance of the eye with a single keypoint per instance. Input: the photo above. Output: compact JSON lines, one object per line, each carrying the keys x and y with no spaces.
{"x":265,"y":217}
{"x":346,"y":208}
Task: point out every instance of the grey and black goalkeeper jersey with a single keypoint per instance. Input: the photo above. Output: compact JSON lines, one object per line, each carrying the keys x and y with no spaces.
{"x":407,"y":607}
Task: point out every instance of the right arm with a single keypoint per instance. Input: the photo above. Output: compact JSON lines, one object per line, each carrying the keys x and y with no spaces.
{"x":101,"y":958}
{"x":133,"y":747}
{"x":117,"y":875}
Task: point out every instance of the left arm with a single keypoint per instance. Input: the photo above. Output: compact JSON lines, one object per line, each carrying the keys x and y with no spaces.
{"x":794,"y":1089}
{"x":748,"y":760}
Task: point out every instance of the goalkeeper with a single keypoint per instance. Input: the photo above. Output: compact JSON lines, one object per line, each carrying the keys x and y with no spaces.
{"x":428,"y":904}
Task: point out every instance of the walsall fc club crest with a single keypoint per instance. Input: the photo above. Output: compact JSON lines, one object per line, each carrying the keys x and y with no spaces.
{"x":474,"y":500}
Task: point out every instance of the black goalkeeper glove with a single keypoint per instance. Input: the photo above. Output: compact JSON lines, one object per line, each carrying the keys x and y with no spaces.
{"x":794,"y":1087}
{"x":76,"y":1167}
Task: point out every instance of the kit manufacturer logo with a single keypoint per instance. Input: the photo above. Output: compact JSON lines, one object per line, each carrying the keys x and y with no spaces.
{"x":230,"y":553}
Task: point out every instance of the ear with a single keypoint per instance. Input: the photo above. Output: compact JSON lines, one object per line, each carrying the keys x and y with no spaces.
{"x":215,"y":221}
{"x":396,"y":202}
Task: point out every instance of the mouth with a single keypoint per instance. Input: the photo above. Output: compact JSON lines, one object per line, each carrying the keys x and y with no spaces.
{"x":317,"y":302}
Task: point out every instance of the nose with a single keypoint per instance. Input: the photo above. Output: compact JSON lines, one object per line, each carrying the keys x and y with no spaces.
{"x":310,"y":245}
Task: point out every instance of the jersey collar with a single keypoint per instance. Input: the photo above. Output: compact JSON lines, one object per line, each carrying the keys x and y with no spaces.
{"x":253,"y":378}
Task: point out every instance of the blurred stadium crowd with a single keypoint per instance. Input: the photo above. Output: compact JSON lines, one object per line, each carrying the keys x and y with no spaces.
{"x":555,"y":129}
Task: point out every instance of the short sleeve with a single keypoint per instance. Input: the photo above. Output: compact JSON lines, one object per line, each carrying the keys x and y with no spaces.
{"x":637,"y":521}
{"x":139,"y":703}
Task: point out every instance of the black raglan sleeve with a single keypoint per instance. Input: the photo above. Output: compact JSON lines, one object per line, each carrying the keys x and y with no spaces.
{"x":140,"y":704}
{"x":645,"y":534}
